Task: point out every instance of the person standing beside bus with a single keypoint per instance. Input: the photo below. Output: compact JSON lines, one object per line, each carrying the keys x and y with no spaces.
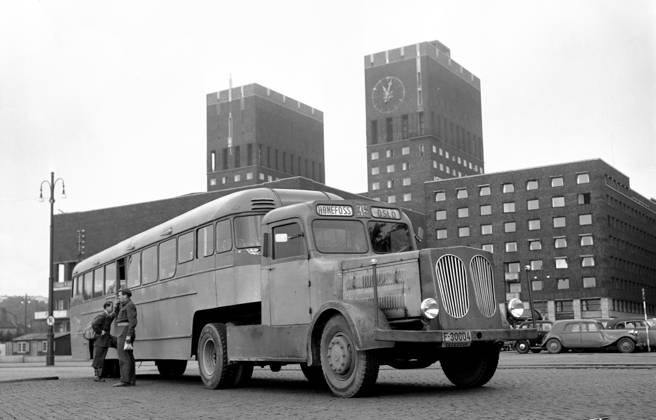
{"x":126,"y":319}
{"x":101,"y":326}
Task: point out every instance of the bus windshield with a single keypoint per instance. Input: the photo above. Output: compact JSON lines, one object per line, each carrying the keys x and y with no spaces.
{"x":248,"y":231}
{"x":389,"y":237}
{"x":340,"y":236}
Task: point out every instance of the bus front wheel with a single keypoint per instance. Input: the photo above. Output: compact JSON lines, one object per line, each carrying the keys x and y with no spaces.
{"x":348,"y":372}
{"x":212,"y":353}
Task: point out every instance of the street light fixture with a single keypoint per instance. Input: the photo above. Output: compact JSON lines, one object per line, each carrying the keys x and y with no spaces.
{"x":50,"y":358}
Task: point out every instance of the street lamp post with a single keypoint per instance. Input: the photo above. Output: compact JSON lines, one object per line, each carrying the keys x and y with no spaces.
{"x":529,"y":286}
{"x":25,"y":302}
{"x":50,"y":358}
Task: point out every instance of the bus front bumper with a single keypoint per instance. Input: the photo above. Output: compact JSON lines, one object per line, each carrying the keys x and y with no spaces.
{"x":446,"y":336}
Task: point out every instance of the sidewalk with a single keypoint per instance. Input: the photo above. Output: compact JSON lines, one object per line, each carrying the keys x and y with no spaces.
{"x":12,"y":372}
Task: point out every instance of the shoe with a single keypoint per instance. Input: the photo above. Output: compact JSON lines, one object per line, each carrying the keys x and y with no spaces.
{"x":133,"y":383}
{"x":122,"y":384}
{"x":96,"y":379}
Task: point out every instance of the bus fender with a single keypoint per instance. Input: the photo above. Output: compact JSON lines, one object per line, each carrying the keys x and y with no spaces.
{"x":360,"y":316}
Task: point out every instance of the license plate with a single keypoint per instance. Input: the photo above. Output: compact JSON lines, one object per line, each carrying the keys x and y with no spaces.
{"x":460,"y":338}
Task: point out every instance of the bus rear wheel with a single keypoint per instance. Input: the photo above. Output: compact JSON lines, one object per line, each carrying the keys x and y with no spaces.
{"x":212,"y":353}
{"x":348,"y":372}
{"x":171,"y":368}
{"x":471,"y":367}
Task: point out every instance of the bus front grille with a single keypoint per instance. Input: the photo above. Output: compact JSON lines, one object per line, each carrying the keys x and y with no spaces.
{"x":483,"y":281}
{"x":451,"y":277}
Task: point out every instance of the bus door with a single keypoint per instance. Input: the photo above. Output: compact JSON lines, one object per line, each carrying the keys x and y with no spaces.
{"x":288,"y":275}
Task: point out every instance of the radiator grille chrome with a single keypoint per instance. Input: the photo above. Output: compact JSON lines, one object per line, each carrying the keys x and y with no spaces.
{"x":451,"y":277}
{"x":483,"y":281}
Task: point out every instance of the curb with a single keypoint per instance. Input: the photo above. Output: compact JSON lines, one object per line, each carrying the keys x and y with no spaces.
{"x":44,"y":378}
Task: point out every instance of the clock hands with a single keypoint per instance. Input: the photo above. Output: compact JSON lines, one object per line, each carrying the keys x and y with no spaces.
{"x":387,"y":95}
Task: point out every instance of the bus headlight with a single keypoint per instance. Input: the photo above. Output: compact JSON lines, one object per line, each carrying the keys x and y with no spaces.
{"x":516,"y":307}
{"x":429,"y":308}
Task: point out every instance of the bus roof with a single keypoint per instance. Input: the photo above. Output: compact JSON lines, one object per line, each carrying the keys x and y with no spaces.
{"x":253,"y":200}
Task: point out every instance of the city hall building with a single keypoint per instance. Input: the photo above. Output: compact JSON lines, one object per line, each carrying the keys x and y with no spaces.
{"x":576,"y":233}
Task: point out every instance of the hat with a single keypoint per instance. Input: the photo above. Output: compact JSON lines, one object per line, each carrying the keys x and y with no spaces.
{"x":126,"y":292}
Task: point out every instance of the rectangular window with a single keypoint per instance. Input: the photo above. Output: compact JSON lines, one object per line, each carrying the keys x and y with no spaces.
{"x":589,"y":282}
{"x":463,"y":212}
{"x":390,"y":183}
{"x":404,"y":166}
{"x":440,"y":196}
{"x":98,"y":282}
{"x":249,"y":176}
{"x":374,"y":155}
{"x":389,"y":153}
{"x":535,"y":265}
{"x":509,"y":207}
{"x":563,"y":283}
{"x":536,"y":285}
{"x":293,"y":244}
{"x":534,"y":224}
{"x":440,"y":233}
{"x":534,"y":245}
{"x":167,"y":259}
{"x":583,"y":178}
{"x":375,"y":186}
{"x":205,"y":241}
{"x":591,"y":305}
{"x":560,"y":242}
{"x":508,"y":187}
{"x":224,"y":156}
{"x":149,"y":264}
{"x":509,"y":227}
{"x":407,"y":181}
{"x":558,"y":201}
{"x":461,"y":193}
{"x":237,"y":156}
{"x":407,"y":197}
{"x":559,"y":222}
{"x":585,"y":219}
{"x":515,"y":288}
{"x":405,"y":150}
{"x":561,"y":262}
{"x":583,"y":198}
{"x":440,"y":214}
{"x":404,"y":126}
{"x":533,"y":204}
{"x":389,"y":129}
{"x":373,"y":124}
{"x":420,"y":122}
{"x":212,"y":161}
{"x":487,"y":247}
{"x":134,"y":275}
{"x":511,"y":246}
{"x":587,"y":261}
{"x":557,"y":181}
{"x":375,"y":170}
{"x":463,"y":231}
{"x":223,"y":236}
{"x":391,"y":199}
{"x":237,"y":177}
{"x":110,"y":279}
{"x":249,"y":154}
{"x":484,"y":190}
{"x":486,"y":229}
{"x":486,"y":209}
{"x":587,"y":240}
{"x":532,"y":185}
{"x":186,"y":247}
{"x":390,"y":169}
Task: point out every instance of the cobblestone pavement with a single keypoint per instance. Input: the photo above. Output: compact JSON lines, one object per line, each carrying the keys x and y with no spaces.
{"x":567,"y":386}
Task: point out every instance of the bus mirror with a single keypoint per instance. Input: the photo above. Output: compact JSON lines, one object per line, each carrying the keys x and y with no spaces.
{"x":420,"y":234}
{"x":281,"y":238}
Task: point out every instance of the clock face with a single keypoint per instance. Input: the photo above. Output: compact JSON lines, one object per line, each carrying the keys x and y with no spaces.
{"x":388,"y":94}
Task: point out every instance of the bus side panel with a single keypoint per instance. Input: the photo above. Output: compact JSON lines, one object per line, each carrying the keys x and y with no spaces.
{"x":81,"y":313}
{"x":238,"y":284}
{"x":267,"y":343}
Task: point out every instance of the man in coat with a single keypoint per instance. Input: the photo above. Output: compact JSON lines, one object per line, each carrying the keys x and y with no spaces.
{"x":126,"y":321}
{"x":101,"y":326}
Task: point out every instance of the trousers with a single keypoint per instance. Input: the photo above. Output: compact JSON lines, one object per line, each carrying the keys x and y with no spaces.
{"x":125,"y":360}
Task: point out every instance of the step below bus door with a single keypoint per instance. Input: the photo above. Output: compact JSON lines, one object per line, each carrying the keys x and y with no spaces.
{"x":287,"y":284}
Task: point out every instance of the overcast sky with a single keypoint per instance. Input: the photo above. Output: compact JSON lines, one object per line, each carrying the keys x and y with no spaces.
{"x":111,"y":95}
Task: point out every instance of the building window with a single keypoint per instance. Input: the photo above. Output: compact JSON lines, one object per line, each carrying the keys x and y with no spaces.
{"x":587,"y":240}
{"x":583,"y":198}
{"x":404,"y":126}
{"x":534,"y":224}
{"x":587,"y":261}
{"x":487,"y":247}
{"x":589,"y":282}
{"x":558,"y":201}
{"x":249,"y":176}
{"x":405,"y":150}
{"x":375,"y":186}
{"x":390,"y":183}
{"x":407,"y":197}
{"x":420,"y":121}
{"x":463,"y":212}
{"x":440,"y":196}
{"x":213,"y":161}
{"x":212,"y":181}
{"x":537,"y":285}
{"x":404,"y":166}
{"x":557,"y":181}
{"x":515,"y":288}
{"x":463,"y":231}
{"x":509,"y":227}
{"x":374,"y":155}
{"x":461,"y":193}
{"x":390,"y":169}
{"x":375,"y":170}
{"x":583,"y":178}
{"x":508,"y":187}
{"x":535,"y":265}
{"x":374,"y":131}
{"x":22,"y":347}
{"x":585,"y":219}
{"x":440,"y":233}
{"x":563,"y":283}
{"x":511,"y":270}
{"x":486,"y":209}
{"x":533,"y":204}
{"x":389,"y":131}
{"x":509,"y":207}
{"x":534,"y":245}
{"x":407,"y":181}
{"x":590,"y":305}
{"x":391,"y":199}
{"x":484,"y":190}
{"x":559,"y":222}
{"x":261,"y":176}
{"x":560,"y":242}
{"x":440,"y":214}
{"x":486,"y":229}
{"x":389,"y":153}
{"x":237,"y":177}
{"x":561,"y":262}
{"x":511,"y":246}
{"x":532,"y":185}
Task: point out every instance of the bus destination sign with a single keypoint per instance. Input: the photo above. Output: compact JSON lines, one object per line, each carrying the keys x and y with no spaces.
{"x":334,"y":210}
{"x":383,"y":213}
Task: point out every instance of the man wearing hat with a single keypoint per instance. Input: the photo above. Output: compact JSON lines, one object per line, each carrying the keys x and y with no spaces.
{"x":127,"y":321}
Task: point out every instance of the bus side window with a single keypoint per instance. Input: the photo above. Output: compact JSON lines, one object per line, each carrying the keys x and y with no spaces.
{"x":186,"y":247}
{"x":223,"y":236}
{"x":205,"y":241}
{"x":88,"y":285}
{"x":110,"y":279}
{"x":288,"y":241}
{"x":121,"y":273}
{"x":98,"y":282}
{"x":133,"y":271}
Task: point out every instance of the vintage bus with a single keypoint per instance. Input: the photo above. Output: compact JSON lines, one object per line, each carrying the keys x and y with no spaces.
{"x":268,"y":277}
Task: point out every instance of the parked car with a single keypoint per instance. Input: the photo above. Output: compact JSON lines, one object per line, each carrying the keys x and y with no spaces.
{"x":589,"y":334}
{"x":637,"y":324}
{"x":535,"y":345}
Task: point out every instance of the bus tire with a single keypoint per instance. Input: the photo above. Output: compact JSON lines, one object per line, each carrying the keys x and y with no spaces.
{"x":348,"y":372}
{"x":470,"y":367}
{"x":212,"y":351}
{"x":171,"y":368}
{"x":314,"y":375}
